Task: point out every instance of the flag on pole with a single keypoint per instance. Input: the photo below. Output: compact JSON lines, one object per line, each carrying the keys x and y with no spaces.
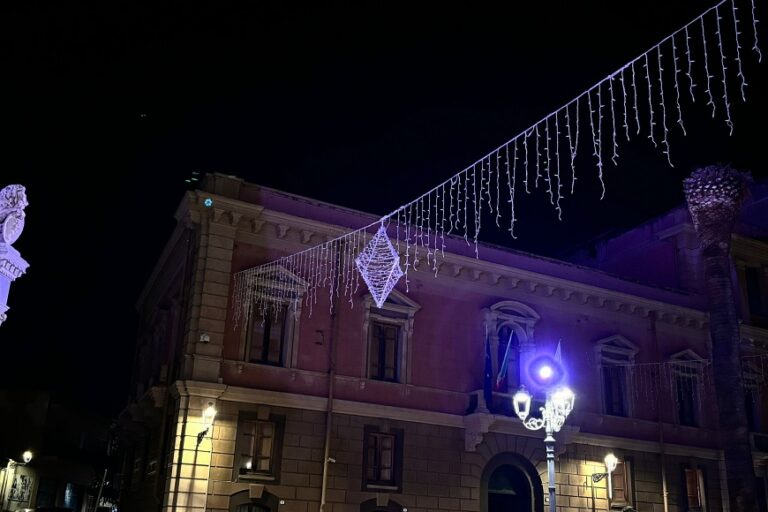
{"x":505,"y":363}
{"x":488,"y":374}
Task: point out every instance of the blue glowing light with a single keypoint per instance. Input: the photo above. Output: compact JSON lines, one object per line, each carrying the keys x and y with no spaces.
{"x":208,"y":202}
{"x":545,"y":372}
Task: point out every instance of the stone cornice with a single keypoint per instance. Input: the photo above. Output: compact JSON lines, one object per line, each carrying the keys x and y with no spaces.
{"x":500,"y":424}
{"x":12,"y":265}
{"x":494,"y":275}
{"x":292,"y":373}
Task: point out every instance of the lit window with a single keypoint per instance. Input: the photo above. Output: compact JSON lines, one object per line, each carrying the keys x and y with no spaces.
{"x":382,"y":458}
{"x":693,"y":479}
{"x":259,"y":443}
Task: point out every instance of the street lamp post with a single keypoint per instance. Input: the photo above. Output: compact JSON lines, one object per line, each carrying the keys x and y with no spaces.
{"x":557,"y":407}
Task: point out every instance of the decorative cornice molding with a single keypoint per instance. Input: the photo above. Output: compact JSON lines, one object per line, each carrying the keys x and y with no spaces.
{"x":487,"y":276}
{"x":477,"y":424}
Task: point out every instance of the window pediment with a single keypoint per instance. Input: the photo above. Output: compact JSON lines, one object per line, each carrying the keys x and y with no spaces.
{"x":617,"y":349}
{"x":396,"y":301}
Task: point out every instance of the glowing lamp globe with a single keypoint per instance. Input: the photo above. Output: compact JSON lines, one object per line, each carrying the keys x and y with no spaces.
{"x":564,"y":399}
{"x":610,"y":462}
{"x":521,"y":401}
{"x":208,"y":415}
{"x":27,"y":456}
{"x":545,"y":372}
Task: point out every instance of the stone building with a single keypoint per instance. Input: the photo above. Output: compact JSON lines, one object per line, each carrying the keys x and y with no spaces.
{"x":409,"y":425}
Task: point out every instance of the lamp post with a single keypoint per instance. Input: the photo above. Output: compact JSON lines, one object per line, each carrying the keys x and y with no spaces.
{"x":26,"y":457}
{"x":557,"y":407}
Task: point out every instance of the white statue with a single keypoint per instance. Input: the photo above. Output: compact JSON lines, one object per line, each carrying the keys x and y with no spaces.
{"x":13,"y":200}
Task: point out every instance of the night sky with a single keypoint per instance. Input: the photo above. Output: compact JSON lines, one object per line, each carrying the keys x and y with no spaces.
{"x":106,"y":109}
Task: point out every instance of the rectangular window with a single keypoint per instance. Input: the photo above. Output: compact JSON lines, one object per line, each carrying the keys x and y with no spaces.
{"x":752,"y":405}
{"x":621,"y":481}
{"x":614,"y":390}
{"x":693,"y":486}
{"x":383,"y":356}
{"x":259,"y":443}
{"x":266,"y":337}
{"x":382,"y":459}
{"x":686,"y":386}
{"x":754,"y":293}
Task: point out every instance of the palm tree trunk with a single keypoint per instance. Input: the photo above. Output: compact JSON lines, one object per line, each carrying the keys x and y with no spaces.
{"x":714,"y":196}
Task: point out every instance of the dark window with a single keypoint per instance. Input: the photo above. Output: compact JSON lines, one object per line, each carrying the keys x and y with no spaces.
{"x":621,"y":481}
{"x":384,"y":351}
{"x":382,"y":459}
{"x":693,"y":493}
{"x":754,"y":293}
{"x":259,"y":444}
{"x":752,"y":404}
{"x":614,"y":390}
{"x":266,"y":337}
{"x":686,"y":389}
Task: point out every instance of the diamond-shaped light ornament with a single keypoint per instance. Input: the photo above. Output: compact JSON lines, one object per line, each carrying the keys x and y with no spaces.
{"x":379,"y":265}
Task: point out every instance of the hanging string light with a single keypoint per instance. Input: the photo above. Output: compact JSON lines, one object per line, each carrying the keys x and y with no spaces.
{"x":417,"y":225}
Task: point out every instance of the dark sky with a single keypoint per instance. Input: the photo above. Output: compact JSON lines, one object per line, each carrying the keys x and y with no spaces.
{"x":108,"y":106}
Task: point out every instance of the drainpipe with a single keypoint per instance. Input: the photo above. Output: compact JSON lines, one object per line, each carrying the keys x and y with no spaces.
{"x":183,"y":402}
{"x":662,"y":455}
{"x":331,"y":382}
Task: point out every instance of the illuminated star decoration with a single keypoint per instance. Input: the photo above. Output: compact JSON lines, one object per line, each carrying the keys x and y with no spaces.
{"x":379,"y":265}
{"x":208,"y":202}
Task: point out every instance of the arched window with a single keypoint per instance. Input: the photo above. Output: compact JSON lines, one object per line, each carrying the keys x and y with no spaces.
{"x":510,"y":326}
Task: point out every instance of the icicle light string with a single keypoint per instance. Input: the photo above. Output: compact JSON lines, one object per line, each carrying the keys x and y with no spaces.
{"x":416,"y":224}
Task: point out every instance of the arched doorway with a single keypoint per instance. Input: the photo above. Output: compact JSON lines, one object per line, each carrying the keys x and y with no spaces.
{"x":510,"y":483}
{"x":242,"y":502}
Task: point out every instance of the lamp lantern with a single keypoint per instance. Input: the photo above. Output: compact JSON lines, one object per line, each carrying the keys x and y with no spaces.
{"x":521,"y":401}
{"x":209,"y":413}
{"x":27,"y":456}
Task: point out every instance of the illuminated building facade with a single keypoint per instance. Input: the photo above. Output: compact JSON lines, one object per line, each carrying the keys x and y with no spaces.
{"x":421,"y":416}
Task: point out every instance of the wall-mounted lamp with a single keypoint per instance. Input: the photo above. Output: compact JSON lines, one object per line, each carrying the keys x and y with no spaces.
{"x":209,"y":413}
{"x":205,"y":337}
{"x":610,"y":465}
